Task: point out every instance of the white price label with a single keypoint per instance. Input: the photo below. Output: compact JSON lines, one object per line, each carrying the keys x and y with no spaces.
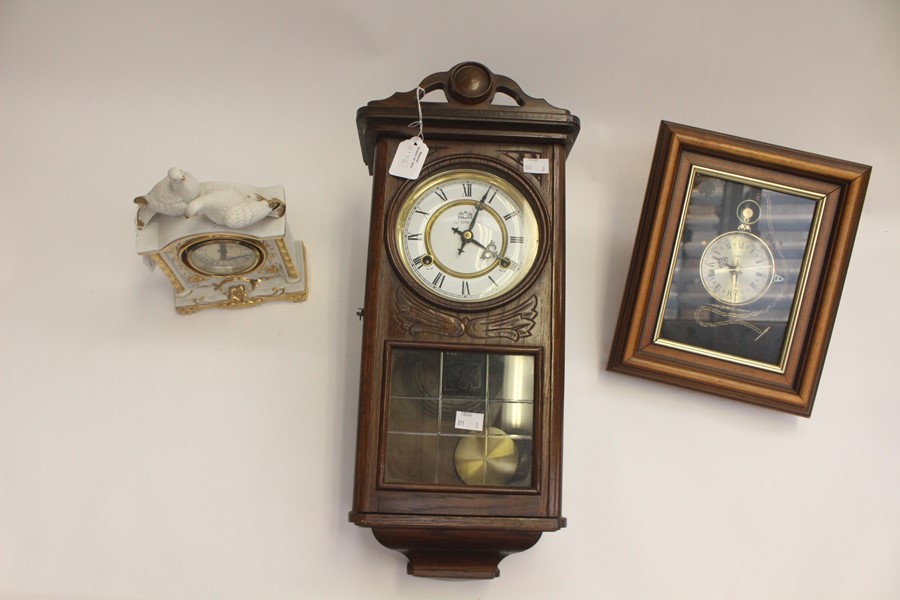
{"x":536,"y":165}
{"x":469,"y":420}
{"x":409,"y":158}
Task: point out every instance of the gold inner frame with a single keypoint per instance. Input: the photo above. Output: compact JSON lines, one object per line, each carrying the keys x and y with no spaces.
{"x":444,"y":267}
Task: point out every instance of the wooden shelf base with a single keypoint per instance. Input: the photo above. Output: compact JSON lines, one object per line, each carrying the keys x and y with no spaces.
{"x":455,"y":554}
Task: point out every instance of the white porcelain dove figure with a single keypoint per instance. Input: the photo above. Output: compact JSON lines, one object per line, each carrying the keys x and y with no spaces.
{"x":233,"y":206}
{"x":168,"y":197}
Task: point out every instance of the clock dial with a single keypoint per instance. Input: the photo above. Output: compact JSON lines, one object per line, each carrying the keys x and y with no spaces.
{"x":467,"y":235}
{"x":737,"y":268}
{"x":218,"y":257}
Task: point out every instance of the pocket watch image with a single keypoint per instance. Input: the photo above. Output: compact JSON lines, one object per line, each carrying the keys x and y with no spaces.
{"x":737,"y":267}
{"x":466,"y":235}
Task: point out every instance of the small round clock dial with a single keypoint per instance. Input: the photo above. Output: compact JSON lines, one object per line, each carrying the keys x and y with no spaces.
{"x":467,"y":236}
{"x":737,"y":268}
{"x":222,"y":257}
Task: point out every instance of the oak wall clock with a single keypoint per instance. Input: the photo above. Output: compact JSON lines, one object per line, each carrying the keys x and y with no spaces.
{"x":461,"y":395}
{"x":738,"y":266}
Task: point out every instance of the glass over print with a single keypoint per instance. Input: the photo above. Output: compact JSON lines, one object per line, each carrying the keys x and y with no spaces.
{"x":739,"y":268}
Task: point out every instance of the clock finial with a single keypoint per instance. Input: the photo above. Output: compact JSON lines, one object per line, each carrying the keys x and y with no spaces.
{"x":471,"y":82}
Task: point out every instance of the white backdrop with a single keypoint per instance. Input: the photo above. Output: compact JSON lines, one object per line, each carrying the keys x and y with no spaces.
{"x":148,"y":455}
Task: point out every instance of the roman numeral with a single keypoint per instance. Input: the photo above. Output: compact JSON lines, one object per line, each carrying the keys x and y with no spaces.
{"x":467,"y":189}
{"x":441,"y":193}
{"x":439,"y":280}
{"x":414,"y":237}
{"x":510,"y":215}
{"x":494,"y":283}
{"x":417,"y":261}
{"x":421,"y":212}
{"x":516,"y":239}
{"x":465,"y":288}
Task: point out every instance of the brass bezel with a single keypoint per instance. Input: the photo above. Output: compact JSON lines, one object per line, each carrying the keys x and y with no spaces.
{"x":246,"y":242}
{"x":759,"y":293}
{"x":440,"y":174}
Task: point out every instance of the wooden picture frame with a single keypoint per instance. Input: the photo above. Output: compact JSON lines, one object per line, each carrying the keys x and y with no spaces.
{"x":738,"y":266}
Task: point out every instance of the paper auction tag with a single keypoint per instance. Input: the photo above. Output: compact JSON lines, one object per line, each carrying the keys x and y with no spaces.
{"x":409,"y":158}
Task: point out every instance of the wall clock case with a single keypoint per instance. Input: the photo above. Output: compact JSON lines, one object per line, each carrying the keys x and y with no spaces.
{"x":461,"y":393}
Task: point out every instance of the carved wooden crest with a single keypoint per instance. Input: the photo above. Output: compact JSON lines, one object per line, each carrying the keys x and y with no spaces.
{"x":514,"y":323}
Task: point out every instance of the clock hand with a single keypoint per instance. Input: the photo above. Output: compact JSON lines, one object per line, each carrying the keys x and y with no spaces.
{"x":490,"y":251}
{"x":477,"y":243}
{"x":735,"y":292}
{"x":479,"y":207}
{"x":466,"y":237}
{"x":467,"y":234}
{"x":723,"y":264}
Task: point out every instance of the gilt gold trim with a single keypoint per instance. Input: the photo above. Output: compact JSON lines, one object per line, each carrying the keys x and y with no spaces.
{"x":253,"y":283}
{"x":238,"y":299}
{"x":800,"y":286}
{"x":167,"y":271}
{"x":292,"y":272}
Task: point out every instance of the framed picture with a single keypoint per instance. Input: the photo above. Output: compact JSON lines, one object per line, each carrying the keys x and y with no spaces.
{"x":738,"y":267}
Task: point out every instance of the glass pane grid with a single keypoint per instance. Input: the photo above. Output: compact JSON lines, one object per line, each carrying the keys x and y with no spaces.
{"x":472,"y":425}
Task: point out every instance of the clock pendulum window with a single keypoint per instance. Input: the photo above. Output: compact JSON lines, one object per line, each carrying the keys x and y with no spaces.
{"x":461,"y":393}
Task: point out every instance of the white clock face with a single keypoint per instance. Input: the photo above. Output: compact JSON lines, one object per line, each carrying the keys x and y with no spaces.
{"x":467,"y":235}
{"x":737,"y":268}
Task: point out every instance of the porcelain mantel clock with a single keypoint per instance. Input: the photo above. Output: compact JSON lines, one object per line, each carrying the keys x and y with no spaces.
{"x":221,"y":245}
{"x":461,"y":395}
